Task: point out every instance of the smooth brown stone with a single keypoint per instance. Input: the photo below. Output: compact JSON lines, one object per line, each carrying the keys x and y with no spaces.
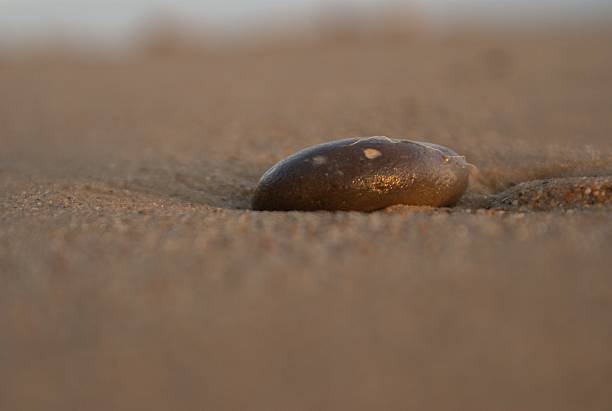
{"x":364,"y":174}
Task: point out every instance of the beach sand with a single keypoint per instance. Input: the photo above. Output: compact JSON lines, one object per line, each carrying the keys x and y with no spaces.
{"x":135,"y":277}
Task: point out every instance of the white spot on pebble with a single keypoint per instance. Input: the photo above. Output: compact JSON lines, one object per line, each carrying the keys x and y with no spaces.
{"x":372,"y":153}
{"x":319,"y":160}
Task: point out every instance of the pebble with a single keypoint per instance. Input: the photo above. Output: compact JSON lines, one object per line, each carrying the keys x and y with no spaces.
{"x":364,"y":174}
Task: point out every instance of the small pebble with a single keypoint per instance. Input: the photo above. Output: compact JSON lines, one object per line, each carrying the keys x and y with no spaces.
{"x":364,"y":174}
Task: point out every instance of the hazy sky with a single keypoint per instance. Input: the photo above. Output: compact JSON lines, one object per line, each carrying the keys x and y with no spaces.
{"x":113,"y":19}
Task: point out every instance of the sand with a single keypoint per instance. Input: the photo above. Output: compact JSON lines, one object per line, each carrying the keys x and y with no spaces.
{"x":135,"y":277}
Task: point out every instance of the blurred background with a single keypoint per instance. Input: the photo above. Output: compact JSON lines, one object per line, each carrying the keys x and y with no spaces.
{"x":119,"y":24}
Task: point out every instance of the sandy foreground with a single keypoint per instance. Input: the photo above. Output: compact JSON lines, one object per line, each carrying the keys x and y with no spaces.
{"x":134,"y":277}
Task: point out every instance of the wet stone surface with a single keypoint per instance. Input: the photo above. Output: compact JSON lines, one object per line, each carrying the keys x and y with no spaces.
{"x":364,"y":174}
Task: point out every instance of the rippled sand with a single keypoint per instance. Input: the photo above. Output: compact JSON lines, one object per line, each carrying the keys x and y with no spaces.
{"x":133,"y":275}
